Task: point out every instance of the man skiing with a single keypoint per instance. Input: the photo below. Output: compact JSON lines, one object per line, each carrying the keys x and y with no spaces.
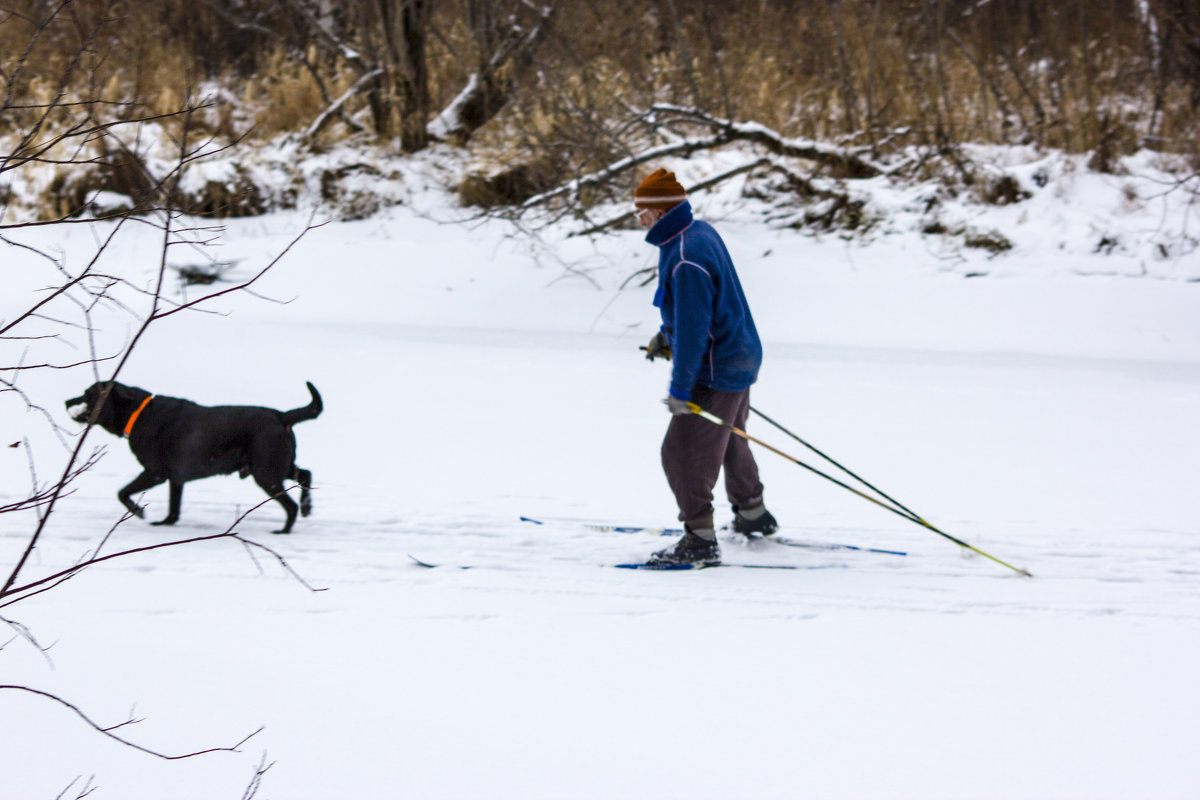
{"x":709,"y":336}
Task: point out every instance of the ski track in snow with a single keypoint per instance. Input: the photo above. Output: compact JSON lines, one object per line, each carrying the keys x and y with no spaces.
{"x":564,"y":558}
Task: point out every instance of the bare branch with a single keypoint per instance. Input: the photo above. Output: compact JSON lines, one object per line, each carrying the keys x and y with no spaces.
{"x":15,"y":594}
{"x":603,"y":176}
{"x":490,"y":87}
{"x":44,"y":496}
{"x":256,"y":781}
{"x":700,"y":186}
{"x":844,"y":163}
{"x":107,"y":730}
{"x":337,"y":107}
{"x":244,"y":285}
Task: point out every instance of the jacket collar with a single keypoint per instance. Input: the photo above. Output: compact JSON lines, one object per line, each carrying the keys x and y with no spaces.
{"x":673,"y":223}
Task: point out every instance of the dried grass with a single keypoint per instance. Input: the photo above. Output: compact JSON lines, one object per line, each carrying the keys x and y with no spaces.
{"x":861,"y":72}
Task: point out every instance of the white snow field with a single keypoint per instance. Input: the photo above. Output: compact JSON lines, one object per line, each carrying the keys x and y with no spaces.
{"x":1045,"y":413}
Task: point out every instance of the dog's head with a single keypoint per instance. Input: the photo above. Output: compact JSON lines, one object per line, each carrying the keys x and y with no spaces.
{"x":110,"y":412}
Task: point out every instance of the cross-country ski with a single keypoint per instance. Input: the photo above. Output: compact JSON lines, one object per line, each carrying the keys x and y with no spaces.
{"x":602,"y":527}
{"x":665,"y":567}
{"x":651,"y":566}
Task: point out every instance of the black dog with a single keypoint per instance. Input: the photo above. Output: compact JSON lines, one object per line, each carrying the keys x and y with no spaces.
{"x":179,"y":441}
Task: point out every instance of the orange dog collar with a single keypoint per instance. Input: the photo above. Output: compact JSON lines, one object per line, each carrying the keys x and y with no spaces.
{"x":133,"y":417}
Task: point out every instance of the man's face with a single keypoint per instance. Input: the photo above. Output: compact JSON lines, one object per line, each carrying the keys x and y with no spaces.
{"x":648,"y":216}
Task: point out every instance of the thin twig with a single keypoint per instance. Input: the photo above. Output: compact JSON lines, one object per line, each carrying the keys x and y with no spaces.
{"x":108,"y":730}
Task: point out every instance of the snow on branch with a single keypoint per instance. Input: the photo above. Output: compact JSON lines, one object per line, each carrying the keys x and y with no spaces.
{"x":603,"y":176}
{"x":696,"y":187}
{"x":335,"y":108}
{"x":844,"y":163}
{"x":485,"y":93}
{"x":663,"y":121}
{"x":450,"y":119}
{"x":351,"y":55}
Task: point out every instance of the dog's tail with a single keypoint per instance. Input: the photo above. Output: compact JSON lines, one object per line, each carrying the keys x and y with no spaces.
{"x":309,"y":411}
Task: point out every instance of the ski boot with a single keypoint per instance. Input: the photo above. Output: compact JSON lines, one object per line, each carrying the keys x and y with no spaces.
{"x":693,"y":548}
{"x":753,"y":521}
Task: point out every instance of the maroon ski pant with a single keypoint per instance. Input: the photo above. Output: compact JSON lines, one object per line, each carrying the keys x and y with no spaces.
{"x":695,"y":449}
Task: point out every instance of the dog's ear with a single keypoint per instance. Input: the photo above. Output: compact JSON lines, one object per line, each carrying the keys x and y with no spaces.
{"x":129,"y":394}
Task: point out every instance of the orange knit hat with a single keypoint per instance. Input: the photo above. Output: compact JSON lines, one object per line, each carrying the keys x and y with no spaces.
{"x":659,"y":190}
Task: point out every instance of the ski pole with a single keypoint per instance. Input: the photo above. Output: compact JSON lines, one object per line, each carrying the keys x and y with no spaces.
{"x":695,"y":409}
{"x":863,"y":481}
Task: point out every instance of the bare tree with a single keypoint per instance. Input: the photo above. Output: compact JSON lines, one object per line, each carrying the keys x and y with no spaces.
{"x":387,"y":45}
{"x":505,"y":48}
{"x":1172,"y":41}
{"x":72,"y":129}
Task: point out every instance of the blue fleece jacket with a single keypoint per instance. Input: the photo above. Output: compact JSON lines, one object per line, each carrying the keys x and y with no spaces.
{"x":704,"y":313}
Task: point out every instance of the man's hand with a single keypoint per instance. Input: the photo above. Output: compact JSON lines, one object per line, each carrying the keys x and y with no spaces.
{"x":658,"y":347}
{"x":676,"y":406}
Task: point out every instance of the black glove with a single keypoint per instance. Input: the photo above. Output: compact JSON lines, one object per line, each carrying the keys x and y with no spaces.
{"x":658,"y":347}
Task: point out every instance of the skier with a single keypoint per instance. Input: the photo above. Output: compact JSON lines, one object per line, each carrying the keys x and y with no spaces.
{"x":708,"y":334}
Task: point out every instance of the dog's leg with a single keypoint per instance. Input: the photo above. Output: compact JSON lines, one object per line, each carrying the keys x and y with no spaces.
{"x":175,"y":502}
{"x":289,"y":505}
{"x":304,"y":478}
{"x":141,"y":483}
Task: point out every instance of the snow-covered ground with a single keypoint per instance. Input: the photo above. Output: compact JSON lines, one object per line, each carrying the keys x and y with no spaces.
{"x":1045,"y":413}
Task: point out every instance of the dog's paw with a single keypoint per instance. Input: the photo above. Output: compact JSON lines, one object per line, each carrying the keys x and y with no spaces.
{"x":167,"y":521}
